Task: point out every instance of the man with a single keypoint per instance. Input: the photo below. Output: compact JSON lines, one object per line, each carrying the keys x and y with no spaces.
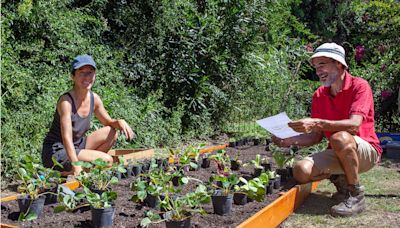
{"x":342,"y":111}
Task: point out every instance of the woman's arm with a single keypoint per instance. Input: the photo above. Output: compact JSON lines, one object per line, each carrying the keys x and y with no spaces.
{"x":102,"y":114}
{"x":64,"y":108}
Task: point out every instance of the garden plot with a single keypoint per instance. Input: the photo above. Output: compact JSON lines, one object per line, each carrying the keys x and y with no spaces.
{"x":131,"y":214}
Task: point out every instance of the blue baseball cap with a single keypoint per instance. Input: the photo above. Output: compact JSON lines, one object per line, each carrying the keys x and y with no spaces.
{"x":82,"y":60}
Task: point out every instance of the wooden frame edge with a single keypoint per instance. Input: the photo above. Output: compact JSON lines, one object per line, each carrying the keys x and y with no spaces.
{"x":275,"y":213}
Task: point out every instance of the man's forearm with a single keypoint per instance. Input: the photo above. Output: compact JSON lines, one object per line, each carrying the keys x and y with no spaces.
{"x":348,"y":125}
{"x":304,"y":139}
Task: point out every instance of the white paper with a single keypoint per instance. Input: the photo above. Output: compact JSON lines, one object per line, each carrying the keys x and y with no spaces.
{"x":278,"y":125}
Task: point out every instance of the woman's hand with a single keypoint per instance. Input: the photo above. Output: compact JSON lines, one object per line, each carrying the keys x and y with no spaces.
{"x":124,"y":127}
{"x":76,"y":170}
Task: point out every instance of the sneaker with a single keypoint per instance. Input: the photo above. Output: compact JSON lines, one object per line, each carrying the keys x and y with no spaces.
{"x":353,"y":204}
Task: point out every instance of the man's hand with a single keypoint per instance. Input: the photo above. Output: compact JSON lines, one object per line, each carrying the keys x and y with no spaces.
{"x":306,"y":125}
{"x":280,"y":142}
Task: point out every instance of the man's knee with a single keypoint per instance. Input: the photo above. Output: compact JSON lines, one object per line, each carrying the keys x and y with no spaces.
{"x":302,"y":171}
{"x":342,"y":142}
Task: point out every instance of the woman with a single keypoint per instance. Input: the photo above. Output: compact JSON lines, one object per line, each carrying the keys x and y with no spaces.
{"x":66,"y":140}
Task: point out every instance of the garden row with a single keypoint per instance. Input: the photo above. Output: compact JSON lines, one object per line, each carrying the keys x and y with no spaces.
{"x":170,"y":189}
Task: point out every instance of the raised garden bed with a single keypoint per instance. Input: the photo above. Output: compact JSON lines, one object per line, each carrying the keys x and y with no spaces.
{"x":129,"y":214}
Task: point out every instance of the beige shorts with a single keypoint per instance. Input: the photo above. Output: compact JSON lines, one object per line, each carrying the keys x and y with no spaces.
{"x":328,"y":162}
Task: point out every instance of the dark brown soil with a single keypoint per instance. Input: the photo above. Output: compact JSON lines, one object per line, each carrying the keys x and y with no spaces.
{"x":129,"y":214}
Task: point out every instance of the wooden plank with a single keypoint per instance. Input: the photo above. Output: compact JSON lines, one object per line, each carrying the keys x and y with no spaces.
{"x":131,"y":154}
{"x":276,"y":212}
{"x":7,"y":226}
{"x":213,"y":148}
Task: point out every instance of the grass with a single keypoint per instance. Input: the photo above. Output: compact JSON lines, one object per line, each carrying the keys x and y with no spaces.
{"x":382,"y":195}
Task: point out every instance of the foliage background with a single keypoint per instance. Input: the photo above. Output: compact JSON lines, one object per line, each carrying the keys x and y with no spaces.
{"x":178,"y":70}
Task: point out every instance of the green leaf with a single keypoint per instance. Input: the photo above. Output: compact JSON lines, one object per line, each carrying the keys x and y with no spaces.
{"x":59,"y":208}
{"x":145,"y":222}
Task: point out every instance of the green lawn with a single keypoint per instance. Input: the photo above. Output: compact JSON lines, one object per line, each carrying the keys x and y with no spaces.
{"x":383,"y":202}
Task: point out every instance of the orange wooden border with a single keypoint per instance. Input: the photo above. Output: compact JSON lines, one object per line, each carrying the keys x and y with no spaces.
{"x":275,"y":213}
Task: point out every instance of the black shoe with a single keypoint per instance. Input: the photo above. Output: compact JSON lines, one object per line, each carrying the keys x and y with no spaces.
{"x":353,"y":204}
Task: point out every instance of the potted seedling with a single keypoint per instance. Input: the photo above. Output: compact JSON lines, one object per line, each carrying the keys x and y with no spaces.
{"x":274,"y":181}
{"x":258,"y":168}
{"x":148,"y":188}
{"x":235,"y":162}
{"x":221,"y":160}
{"x":179,"y":209}
{"x":232,"y":142}
{"x":252,"y":189}
{"x":205,"y":161}
{"x":36,"y":182}
{"x":96,"y":180}
{"x":222,"y":195}
{"x":265,"y":163}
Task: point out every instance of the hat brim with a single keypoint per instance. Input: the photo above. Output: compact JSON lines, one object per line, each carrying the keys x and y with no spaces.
{"x":329,"y":55}
{"x":84,"y":64}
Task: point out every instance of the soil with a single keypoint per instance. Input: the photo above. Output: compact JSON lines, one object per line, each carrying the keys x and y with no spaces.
{"x":129,"y":214}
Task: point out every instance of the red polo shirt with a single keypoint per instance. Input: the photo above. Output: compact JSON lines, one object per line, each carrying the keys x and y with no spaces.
{"x":355,"y":98}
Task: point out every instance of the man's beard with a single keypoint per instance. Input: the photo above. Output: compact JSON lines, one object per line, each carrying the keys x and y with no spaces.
{"x":330,"y":79}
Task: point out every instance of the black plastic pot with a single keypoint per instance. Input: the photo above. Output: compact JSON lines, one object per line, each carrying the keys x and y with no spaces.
{"x":26,"y":204}
{"x":136,"y":169}
{"x":232,"y":144}
{"x":102,"y":217}
{"x":256,"y":142}
{"x":145,"y":166}
{"x":269,"y":188}
{"x":51,"y":197}
{"x":267,"y":166}
{"x":222,"y":204}
{"x":128,"y":172}
{"x":151,"y":201}
{"x":277,"y":182}
{"x":162,"y":163}
{"x":206,"y":163}
{"x":235,"y":165}
{"x":178,"y":224}
{"x":284,"y":173}
{"x":258,"y":171}
{"x":175,"y":181}
{"x":239,"y":198}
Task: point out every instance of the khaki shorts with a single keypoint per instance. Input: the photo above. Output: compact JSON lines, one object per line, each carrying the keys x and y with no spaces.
{"x":328,"y":163}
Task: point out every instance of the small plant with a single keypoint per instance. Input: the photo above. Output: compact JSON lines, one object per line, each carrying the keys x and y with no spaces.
{"x":35,"y":182}
{"x":257,"y":162}
{"x":226,"y":182}
{"x":96,"y":183}
{"x":179,"y":208}
{"x":254,"y":188}
{"x":221,"y":160}
{"x":100,"y":175}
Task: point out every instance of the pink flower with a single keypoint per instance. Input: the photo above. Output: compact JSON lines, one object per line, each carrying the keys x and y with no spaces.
{"x":359,"y":53}
{"x":386,"y":93}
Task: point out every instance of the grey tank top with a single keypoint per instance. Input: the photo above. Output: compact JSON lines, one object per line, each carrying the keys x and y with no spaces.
{"x":79,"y":125}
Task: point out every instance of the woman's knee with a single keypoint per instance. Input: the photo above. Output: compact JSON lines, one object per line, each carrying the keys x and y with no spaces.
{"x":302,"y":171}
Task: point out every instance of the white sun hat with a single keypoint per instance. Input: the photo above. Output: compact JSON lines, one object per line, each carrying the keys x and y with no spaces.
{"x":331,"y":50}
